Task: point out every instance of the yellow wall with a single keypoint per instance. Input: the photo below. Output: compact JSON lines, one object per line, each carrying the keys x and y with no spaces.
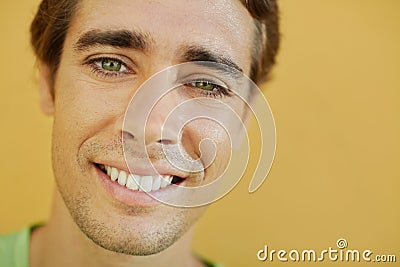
{"x":336,"y":102}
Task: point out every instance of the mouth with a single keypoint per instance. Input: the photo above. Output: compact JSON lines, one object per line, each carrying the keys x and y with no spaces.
{"x":139,"y":183}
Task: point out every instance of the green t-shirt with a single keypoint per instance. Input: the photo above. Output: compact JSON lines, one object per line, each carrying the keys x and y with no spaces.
{"x":14,"y":249}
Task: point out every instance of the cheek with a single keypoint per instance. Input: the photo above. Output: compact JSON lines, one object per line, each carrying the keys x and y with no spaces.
{"x":84,"y":107}
{"x":208,"y":140}
{"x":86,"y":112}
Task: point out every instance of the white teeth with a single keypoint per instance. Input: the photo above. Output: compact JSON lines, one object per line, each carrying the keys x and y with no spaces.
{"x":108,"y":168}
{"x":156,"y":183}
{"x":114,"y":174}
{"x":164,"y":181}
{"x":122,"y":178}
{"x":131,"y":183}
{"x":146,"y":184}
{"x":138,"y":179}
{"x":136,"y":182}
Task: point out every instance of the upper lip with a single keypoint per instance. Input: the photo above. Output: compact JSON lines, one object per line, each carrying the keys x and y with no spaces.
{"x":143,"y":168}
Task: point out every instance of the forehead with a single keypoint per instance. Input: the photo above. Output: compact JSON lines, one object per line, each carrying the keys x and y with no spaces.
{"x":223,"y":24}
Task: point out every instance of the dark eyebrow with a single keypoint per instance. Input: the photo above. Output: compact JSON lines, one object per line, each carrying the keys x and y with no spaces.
{"x":193,"y":53}
{"x":114,"y":38}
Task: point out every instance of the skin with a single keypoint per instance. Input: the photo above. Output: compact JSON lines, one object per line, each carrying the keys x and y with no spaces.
{"x":88,"y":227}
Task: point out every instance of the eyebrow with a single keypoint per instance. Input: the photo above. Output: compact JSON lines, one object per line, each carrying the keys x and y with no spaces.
{"x":195,"y":53}
{"x":135,"y":39}
{"x":115,"y":38}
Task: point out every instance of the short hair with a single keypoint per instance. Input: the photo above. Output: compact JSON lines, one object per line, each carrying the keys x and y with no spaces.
{"x":53,"y":18}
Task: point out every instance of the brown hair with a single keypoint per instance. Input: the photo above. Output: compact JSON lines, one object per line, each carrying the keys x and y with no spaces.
{"x":52,"y":20}
{"x":266,"y":17}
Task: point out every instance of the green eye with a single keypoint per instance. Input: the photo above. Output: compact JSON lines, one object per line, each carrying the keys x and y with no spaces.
{"x":204,"y":85}
{"x":111,"y":65}
{"x":209,"y":88}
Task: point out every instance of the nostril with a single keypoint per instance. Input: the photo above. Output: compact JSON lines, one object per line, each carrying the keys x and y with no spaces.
{"x":126,"y":136}
{"x":165,"y":142}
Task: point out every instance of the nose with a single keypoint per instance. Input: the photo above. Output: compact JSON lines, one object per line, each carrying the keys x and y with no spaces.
{"x":145,"y":120}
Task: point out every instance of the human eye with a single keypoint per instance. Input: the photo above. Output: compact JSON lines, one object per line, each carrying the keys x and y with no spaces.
{"x":210,"y":88}
{"x":108,"y":67}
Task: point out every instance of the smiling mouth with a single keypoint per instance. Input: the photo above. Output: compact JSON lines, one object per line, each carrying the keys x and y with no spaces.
{"x":137,"y":182}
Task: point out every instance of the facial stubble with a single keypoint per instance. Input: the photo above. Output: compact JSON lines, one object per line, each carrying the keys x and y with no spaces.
{"x":123,"y":229}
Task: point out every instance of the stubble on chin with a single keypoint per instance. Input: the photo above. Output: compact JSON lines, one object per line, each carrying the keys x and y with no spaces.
{"x":123,"y":229}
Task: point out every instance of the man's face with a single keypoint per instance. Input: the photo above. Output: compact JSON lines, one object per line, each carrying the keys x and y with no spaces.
{"x":98,"y":74}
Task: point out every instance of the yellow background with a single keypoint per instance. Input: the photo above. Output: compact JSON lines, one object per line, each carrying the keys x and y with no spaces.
{"x":336,"y":101}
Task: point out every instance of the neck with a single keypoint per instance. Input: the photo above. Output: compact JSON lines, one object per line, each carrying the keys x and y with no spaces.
{"x":61,"y":243}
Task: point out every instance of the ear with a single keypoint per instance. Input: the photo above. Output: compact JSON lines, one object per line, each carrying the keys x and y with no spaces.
{"x":45,"y":89}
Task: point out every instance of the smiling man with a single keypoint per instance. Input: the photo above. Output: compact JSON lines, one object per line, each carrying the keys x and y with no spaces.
{"x":93,"y":56}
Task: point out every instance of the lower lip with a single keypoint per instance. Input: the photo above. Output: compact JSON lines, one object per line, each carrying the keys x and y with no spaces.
{"x":132,"y":197}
